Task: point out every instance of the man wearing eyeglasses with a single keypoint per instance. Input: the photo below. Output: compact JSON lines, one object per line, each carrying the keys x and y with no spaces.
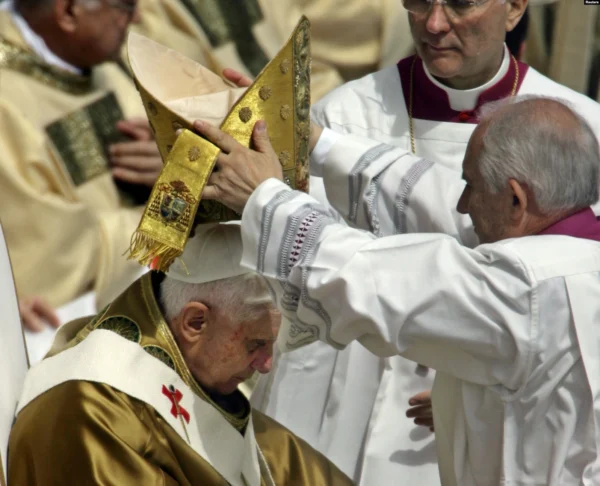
{"x":76,"y":163}
{"x":428,"y":105}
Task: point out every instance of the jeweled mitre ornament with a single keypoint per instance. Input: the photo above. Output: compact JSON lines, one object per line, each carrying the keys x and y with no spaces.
{"x":176,"y":91}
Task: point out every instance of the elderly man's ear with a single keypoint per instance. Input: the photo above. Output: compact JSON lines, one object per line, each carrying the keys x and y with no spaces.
{"x":192,"y":321}
{"x":520,"y":200}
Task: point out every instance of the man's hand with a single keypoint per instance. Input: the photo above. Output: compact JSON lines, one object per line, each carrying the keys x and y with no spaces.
{"x":36,"y":313}
{"x":237,"y":78}
{"x":137,"y":161}
{"x":421,"y":409}
{"x":239,"y":170}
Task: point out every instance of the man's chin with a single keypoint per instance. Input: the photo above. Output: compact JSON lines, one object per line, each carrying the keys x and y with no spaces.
{"x":443,"y":65}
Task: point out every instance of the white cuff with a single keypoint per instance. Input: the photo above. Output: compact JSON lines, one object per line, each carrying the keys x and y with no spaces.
{"x":317,"y":158}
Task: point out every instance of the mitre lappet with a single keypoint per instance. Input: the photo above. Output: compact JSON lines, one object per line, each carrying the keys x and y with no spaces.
{"x":176,"y":91}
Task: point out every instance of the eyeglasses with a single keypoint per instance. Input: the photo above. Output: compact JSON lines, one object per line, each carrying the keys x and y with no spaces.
{"x":458,"y":8}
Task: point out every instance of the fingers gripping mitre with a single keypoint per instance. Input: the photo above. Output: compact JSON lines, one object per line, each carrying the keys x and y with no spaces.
{"x":176,"y":91}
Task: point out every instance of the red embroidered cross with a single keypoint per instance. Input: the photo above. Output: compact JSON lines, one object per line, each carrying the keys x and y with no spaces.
{"x":175,"y":396}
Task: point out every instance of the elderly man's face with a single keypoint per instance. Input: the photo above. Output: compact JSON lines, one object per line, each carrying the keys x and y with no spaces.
{"x":230,"y":353}
{"x":490,"y":212}
{"x":101,"y":30}
{"x":462,"y":46}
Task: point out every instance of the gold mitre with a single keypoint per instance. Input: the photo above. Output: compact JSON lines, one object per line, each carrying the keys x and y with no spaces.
{"x":176,"y":91}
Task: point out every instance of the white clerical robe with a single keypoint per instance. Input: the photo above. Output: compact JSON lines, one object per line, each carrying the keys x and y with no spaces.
{"x":508,"y":326}
{"x":355,"y":401}
{"x":13,"y":356}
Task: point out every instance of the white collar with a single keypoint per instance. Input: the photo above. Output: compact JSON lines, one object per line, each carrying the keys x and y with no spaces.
{"x":36,"y":43}
{"x":464,"y":100}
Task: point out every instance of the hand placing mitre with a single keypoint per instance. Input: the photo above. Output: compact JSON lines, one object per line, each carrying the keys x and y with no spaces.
{"x":421,"y":409}
{"x":240,"y":170}
{"x":36,"y":313}
{"x":136,"y":161}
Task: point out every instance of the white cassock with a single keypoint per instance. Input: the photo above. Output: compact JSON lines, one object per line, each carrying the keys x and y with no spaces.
{"x":13,"y":356}
{"x":350,"y":404}
{"x":512,"y":328}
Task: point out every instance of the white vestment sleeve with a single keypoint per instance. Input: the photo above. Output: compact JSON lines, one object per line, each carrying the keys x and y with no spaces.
{"x":425,"y":297}
{"x":387,"y":190}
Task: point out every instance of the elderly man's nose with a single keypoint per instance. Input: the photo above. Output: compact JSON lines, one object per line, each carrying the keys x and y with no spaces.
{"x":264,"y":364}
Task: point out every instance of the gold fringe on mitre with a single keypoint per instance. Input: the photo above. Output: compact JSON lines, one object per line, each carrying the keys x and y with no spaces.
{"x":280,"y":95}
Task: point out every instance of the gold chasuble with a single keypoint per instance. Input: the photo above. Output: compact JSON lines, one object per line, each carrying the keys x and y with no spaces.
{"x":115,"y":404}
{"x":67,"y":223}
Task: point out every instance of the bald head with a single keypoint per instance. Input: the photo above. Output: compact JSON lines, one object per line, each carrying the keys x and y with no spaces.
{"x":543,"y":143}
{"x":548,"y":113}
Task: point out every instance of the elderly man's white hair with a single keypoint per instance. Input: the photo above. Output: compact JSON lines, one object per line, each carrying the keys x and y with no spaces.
{"x":544,"y":143}
{"x":242,"y":298}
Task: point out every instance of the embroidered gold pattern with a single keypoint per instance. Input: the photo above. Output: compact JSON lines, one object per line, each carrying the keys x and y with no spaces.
{"x":172,"y":205}
{"x":285,"y":112}
{"x":265,"y":93}
{"x":285,"y":66}
{"x":302,"y":101}
{"x":194,"y":154}
{"x":161,"y":355}
{"x":123,"y":326}
{"x":82,"y":138}
{"x":245,"y":114}
{"x":25,"y":62}
{"x":303,"y":130}
{"x":284,"y":157}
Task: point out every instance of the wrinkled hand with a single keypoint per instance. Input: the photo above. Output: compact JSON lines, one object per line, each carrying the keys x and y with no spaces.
{"x":137,"y":161}
{"x":36,"y":313}
{"x":421,"y":409}
{"x":239,"y":170}
{"x":237,"y":78}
